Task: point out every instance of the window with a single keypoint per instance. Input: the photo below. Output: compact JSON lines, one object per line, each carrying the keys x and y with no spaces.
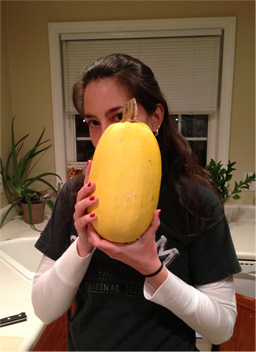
{"x":195,"y":129}
{"x":92,"y":33}
{"x":186,"y":65}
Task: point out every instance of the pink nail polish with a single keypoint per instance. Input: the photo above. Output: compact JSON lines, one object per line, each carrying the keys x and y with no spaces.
{"x":159,"y":213}
{"x":89,"y":184}
{"x":91,"y":198}
{"x":92,"y":215}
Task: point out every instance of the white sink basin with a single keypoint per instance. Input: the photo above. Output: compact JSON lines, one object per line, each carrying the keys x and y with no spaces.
{"x":21,"y":254}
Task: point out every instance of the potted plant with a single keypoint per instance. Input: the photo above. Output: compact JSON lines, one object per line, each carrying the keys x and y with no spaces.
{"x":16,"y":181}
{"x":220,"y":178}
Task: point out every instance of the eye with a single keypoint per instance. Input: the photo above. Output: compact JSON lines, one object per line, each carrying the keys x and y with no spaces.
{"x":119,"y":117}
{"x":93,"y":123}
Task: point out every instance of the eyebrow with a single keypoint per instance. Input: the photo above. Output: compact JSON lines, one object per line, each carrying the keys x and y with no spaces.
{"x":107,"y":112}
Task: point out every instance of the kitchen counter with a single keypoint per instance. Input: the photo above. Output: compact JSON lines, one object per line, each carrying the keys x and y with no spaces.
{"x":17,"y":228}
{"x":15,"y":295}
{"x":243,"y":235}
{"x":241,"y":220}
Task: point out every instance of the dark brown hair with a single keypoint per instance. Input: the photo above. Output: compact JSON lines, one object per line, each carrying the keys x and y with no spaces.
{"x":178,"y":162}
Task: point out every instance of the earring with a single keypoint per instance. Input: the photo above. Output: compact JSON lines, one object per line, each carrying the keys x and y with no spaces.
{"x":156,"y":132}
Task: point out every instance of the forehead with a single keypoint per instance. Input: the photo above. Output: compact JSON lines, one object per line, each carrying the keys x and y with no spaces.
{"x":108,"y":87}
{"x":104,"y":95}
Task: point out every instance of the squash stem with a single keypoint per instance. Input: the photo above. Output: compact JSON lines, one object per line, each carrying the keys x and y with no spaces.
{"x":130,"y":113}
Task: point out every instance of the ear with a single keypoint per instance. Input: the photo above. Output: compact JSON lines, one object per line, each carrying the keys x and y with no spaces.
{"x":157,"y":117}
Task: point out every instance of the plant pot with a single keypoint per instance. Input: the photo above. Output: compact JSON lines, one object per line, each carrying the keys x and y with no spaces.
{"x":37,"y":212}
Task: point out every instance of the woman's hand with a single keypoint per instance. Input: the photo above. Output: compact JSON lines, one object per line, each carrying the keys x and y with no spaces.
{"x":140,"y":254}
{"x":81,"y":218}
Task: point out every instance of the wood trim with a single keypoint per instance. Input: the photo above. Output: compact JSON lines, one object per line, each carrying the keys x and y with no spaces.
{"x":243,"y":338}
{"x":245,"y":302}
{"x":54,"y":337}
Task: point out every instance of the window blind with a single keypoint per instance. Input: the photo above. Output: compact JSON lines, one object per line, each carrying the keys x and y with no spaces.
{"x":186,"y":68}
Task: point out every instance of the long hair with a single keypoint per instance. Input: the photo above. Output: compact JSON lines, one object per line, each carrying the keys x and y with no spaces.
{"x":179,"y":164}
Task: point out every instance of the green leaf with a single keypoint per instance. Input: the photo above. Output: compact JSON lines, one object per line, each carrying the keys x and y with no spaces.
{"x":8,"y":211}
{"x":28,"y":201}
{"x":50,"y":204}
{"x":236,"y":196}
{"x":39,"y":178}
{"x":221,"y":177}
{"x":33,"y":152}
{"x":16,"y":170}
{"x":16,"y":145}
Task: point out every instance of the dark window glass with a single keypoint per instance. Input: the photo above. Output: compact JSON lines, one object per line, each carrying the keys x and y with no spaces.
{"x":176,"y":120}
{"x":194,"y":125}
{"x":200,"y":150}
{"x":190,"y":126}
{"x":84,"y":148}
{"x":82,"y":129}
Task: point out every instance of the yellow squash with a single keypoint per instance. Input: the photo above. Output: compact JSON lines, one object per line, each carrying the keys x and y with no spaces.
{"x":126,"y":169}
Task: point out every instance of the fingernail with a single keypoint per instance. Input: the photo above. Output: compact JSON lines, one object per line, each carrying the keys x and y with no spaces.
{"x":91,"y":198}
{"x":159,"y":213}
{"x":89,"y":184}
{"x":92,"y":215}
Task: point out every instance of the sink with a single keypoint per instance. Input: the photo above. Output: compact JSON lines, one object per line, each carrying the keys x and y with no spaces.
{"x":21,"y":254}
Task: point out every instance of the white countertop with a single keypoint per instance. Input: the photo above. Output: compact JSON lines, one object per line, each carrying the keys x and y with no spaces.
{"x":15,"y":295}
{"x":17,"y":228}
{"x":241,"y":220}
{"x":243,"y":235}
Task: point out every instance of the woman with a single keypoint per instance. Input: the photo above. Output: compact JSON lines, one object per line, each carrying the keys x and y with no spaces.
{"x":125,"y":298}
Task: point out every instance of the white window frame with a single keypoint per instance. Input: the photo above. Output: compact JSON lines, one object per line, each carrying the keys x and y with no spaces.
{"x":219,"y":124}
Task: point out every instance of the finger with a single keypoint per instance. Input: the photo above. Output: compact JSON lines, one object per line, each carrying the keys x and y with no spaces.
{"x":155,"y":221}
{"x":100,"y":243}
{"x":84,"y":192}
{"x":156,"y":218}
{"x":82,"y":222}
{"x":83,"y":203}
{"x":151,"y":230}
{"x":93,"y":236}
{"x":87,"y":172}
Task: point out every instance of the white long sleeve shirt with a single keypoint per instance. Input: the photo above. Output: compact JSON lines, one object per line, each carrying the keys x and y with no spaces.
{"x":208,"y":309}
